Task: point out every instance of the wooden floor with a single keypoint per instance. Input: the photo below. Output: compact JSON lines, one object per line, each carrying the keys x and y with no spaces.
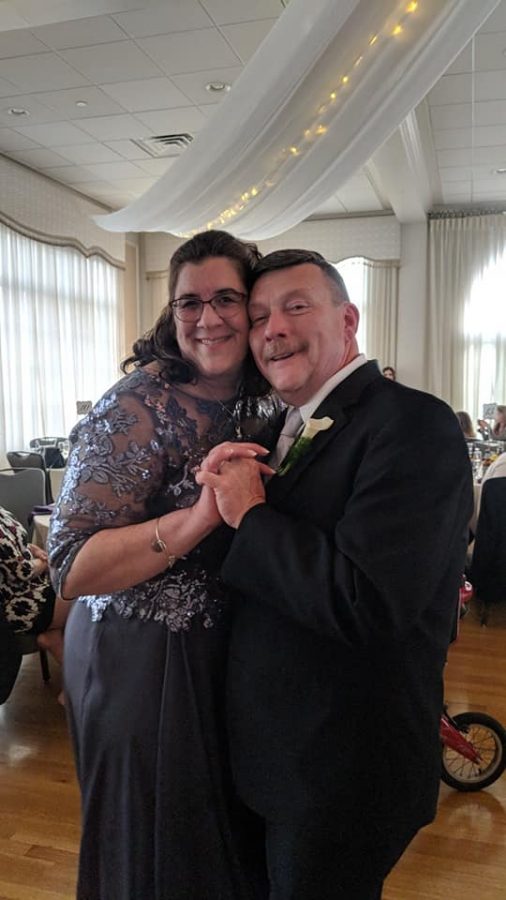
{"x":461,"y":856}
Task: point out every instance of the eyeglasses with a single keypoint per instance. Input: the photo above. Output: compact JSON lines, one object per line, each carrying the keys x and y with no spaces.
{"x":226,"y":305}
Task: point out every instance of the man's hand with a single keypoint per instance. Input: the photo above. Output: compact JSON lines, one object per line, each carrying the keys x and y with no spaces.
{"x":237,"y":487}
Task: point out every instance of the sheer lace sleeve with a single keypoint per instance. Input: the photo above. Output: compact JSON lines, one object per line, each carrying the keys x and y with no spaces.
{"x":115,"y":465}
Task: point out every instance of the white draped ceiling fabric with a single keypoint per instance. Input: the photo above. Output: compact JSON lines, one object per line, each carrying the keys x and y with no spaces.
{"x":329,"y":84}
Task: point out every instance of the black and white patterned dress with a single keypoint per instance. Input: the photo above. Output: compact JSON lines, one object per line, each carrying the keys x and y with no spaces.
{"x":145,"y":667}
{"x":27,"y":599}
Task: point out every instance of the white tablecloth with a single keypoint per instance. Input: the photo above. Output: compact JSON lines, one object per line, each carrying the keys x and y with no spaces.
{"x":40,"y":530}
{"x":56,"y":478}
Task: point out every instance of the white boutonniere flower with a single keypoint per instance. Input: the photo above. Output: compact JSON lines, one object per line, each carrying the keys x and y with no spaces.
{"x":303,"y":442}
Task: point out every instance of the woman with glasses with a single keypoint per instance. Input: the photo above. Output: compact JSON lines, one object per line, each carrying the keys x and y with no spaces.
{"x":140,"y":546}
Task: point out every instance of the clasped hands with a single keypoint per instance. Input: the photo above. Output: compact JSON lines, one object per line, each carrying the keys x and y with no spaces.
{"x":40,"y":563}
{"x":234,"y":474}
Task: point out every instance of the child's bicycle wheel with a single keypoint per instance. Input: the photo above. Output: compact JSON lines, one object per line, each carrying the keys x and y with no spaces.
{"x":488,"y":738}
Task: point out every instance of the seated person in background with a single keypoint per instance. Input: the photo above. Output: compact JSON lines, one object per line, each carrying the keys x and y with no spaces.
{"x":497,"y":469}
{"x":29,"y":603}
{"x":390,"y":373}
{"x":498,"y":430}
{"x":466,"y":424}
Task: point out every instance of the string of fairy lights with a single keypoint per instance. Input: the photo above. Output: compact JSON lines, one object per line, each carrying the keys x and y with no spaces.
{"x":313,"y":132}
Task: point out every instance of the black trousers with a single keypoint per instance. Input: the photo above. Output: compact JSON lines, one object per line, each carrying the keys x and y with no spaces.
{"x":312,"y":860}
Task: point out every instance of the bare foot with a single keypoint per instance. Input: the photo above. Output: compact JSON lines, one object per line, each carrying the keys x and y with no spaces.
{"x":61,"y":698}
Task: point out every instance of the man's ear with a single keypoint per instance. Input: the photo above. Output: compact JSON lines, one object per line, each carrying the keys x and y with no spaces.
{"x":351,"y":320}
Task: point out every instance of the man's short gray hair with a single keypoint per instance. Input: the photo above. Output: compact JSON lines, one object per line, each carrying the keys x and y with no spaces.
{"x":286,"y":259}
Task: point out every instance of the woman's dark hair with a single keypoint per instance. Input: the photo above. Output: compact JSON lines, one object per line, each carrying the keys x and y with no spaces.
{"x":159,"y":343}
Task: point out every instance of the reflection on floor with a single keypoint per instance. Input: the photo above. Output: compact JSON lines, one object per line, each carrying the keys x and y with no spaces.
{"x":461,"y":856}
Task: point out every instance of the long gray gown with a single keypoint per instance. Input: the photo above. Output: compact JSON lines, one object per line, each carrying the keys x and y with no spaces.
{"x":144,"y":668}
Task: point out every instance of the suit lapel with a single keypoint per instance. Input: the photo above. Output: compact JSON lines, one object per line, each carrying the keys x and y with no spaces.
{"x":337,"y":405}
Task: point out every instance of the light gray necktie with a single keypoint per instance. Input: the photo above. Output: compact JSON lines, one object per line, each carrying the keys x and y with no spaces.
{"x":290,"y":430}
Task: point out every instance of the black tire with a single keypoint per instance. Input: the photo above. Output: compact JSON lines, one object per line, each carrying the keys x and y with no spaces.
{"x":489,"y":738}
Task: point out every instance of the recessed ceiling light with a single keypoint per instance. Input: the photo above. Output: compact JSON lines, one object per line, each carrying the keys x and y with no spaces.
{"x":81,"y":103}
{"x":18,"y":111}
{"x":499,"y":171}
{"x":215,"y":87}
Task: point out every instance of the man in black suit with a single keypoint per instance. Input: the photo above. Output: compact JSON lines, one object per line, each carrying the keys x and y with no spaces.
{"x":347,"y":568}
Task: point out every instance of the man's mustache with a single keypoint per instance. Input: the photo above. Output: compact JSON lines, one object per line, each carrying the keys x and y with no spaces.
{"x":278,"y":348}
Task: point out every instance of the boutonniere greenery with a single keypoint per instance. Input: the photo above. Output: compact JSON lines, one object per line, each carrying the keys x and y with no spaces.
{"x":303,"y":442}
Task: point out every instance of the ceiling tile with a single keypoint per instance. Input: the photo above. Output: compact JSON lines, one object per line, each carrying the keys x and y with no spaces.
{"x":107,"y":63}
{"x":173,"y":121}
{"x":128,"y":150}
{"x":79,"y":33}
{"x":39,"y":112}
{"x":498,"y":193}
{"x":189,"y":51}
{"x":490,"y":136}
{"x":10,"y":19}
{"x":456,"y":173}
{"x":178,"y":15}
{"x":452,"y":137}
{"x":496,"y":183}
{"x":70,"y":174}
{"x":246,"y":37}
{"x":54,"y":134}
{"x":6,"y":87}
{"x":40,"y":158}
{"x":110,"y":128}
{"x":42,"y":72}
{"x":494,"y":156}
{"x":497,"y":20}
{"x":194,"y":85}
{"x":490,"y":86}
{"x":64,"y":102}
{"x":156,"y":167}
{"x":150,"y":93}
{"x":451,"y":89}
{"x":463,"y":62}
{"x":460,"y":156}
{"x":12,"y":140}
{"x":225,"y":12}
{"x":452,"y":115}
{"x":490,"y":112}
{"x":489,"y":51}
{"x":111,"y":171}
{"x":136,"y":186}
{"x":19,"y":43}
{"x":462,"y":195}
{"x":82,"y":154}
{"x":330,"y":207}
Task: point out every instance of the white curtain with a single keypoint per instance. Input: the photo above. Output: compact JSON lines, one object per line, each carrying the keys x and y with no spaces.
{"x":466,"y":349}
{"x":374,"y":288}
{"x":59,"y":336}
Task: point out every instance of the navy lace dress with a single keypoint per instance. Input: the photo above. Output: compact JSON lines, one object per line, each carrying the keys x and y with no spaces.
{"x":145,"y":667}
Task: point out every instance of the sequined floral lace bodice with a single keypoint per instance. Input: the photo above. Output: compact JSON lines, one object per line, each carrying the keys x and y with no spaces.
{"x":132,"y":459}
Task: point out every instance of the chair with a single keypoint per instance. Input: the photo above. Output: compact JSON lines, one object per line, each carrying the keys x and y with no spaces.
{"x":30,"y":459}
{"x":20,"y":491}
{"x":488,"y":566}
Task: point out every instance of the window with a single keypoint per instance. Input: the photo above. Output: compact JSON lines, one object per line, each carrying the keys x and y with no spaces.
{"x":59,"y":336}
{"x":484,"y":338}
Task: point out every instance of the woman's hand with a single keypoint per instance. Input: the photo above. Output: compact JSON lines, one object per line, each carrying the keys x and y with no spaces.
{"x":237,"y":487}
{"x":37,"y":552}
{"x":39,"y":566}
{"x":227,"y":450}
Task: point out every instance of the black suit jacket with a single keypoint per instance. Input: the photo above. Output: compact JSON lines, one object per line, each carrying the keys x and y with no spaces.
{"x":348,"y":583}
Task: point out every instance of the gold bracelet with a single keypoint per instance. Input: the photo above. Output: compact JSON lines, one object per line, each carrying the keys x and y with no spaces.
{"x":159,"y":546}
